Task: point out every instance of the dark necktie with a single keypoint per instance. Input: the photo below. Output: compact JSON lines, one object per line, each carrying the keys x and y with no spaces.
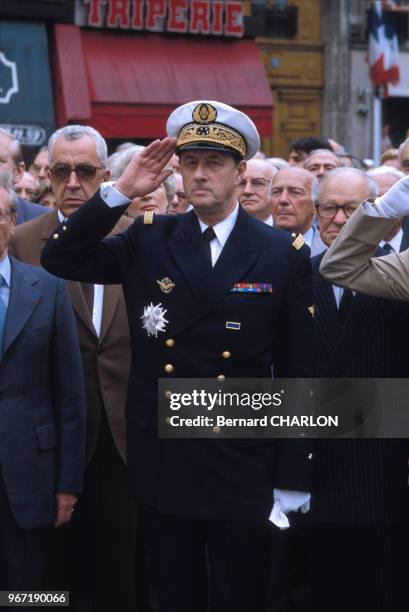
{"x":88,"y":289}
{"x":3,"y":316}
{"x":388,"y":247}
{"x":345,"y":305}
{"x":208,"y":235}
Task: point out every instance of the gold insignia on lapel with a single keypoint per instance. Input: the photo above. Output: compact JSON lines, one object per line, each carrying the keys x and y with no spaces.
{"x":298,"y":242}
{"x":311,"y":310}
{"x":204,"y":113}
{"x":148,"y":217}
{"x":166,"y":285}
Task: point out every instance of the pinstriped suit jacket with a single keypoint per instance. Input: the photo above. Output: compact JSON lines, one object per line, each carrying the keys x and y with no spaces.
{"x":360,"y":481}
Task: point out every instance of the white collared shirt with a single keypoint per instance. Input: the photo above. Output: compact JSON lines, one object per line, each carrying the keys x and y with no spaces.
{"x":309,"y":236}
{"x":395,"y":241}
{"x":222,"y":231}
{"x":5,"y":271}
{"x":98,"y":297}
{"x":269,"y":221}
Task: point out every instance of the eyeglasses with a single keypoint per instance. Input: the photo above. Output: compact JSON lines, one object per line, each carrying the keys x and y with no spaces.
{"x":257,"y":184}
{"x":84,"y":172}
{"x":4,"y":215}
{"x":328,"y":211}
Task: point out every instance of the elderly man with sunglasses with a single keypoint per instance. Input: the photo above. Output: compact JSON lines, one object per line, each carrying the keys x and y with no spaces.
{"x":102,"y":525}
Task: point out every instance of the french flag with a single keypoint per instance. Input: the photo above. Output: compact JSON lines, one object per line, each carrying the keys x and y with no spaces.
{"x":383,"y":48}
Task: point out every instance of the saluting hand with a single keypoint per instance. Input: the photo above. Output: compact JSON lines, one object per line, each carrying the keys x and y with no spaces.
{"x":395,"y":202}
{"x":146,"y":171}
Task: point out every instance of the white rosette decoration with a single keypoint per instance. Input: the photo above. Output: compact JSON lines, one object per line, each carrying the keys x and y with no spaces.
{"x":154,"y":319}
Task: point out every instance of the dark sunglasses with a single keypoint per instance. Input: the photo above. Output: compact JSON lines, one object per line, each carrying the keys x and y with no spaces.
{"x":84,"y":172}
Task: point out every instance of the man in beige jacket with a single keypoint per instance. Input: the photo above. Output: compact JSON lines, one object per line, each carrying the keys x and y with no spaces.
{"x":350,"y":262}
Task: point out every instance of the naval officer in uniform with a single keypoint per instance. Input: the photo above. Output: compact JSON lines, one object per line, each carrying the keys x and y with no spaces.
{"x":204,"y":503}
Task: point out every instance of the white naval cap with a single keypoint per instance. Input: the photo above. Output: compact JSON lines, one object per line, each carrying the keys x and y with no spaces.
{"x":213,"y":125}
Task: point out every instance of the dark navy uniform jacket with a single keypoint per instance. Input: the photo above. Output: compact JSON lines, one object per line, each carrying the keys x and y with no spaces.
{"x":200,"y":478}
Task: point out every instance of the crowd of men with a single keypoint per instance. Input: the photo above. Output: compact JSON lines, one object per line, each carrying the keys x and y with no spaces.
{"x":91,"y":501}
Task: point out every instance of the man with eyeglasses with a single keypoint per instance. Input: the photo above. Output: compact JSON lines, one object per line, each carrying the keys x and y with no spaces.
{"x":11,"y":161}
{"x":104,"y":521}
{"x":292,"y":195}
{"x":254,"y":190}
{"x":360,"y":511}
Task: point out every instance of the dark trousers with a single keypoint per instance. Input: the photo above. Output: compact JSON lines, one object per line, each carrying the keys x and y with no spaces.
{"x":359,"y":567}
{"x":193,"y":565}
{"x":22,"y":551}
{"x":94,"y":555}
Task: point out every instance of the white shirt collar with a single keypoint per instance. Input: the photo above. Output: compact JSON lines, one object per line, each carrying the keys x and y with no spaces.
{"x":5,"y":269}
{"x":269,"y":221}
{"x":395,"y":241}
{"x":223,"y":228}
{"x":309,"y":236}
{"x":61,"y":217}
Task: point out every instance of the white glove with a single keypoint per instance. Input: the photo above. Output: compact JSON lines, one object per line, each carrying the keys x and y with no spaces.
{"x":286,"y":502}
{"x":395,"y":202}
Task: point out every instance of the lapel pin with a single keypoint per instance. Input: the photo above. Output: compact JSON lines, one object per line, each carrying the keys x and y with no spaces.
{"x":311,"y":310}
{"x":166,"y":285}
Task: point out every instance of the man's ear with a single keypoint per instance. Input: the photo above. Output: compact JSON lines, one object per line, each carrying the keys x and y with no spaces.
{"x":107,"y":174}
{"x":241,"y":169}
{"x":19,"y":171}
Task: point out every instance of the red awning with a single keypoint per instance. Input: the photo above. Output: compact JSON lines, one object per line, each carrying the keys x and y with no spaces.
{"x":126,"y":84}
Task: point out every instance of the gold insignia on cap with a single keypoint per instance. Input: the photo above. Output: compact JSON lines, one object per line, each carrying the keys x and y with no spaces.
{"x":311,"y":310}
{"x":166,"y":285}
{"x":204,"y":113}
{"x":298,"y":242}
{"x":148,"y":217}
{"x":222,"y":135}
{"x":205,"y":129}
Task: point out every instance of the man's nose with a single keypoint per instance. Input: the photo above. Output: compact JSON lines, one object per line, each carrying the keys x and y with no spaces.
{"x":199,"y":173}
{"x":320,"y":171}
{"x":246,"y":186}
{"x":73,"y":182}
{"x":340,"y":218}
{"x":42,"y":172}
{"x":283,"y":197}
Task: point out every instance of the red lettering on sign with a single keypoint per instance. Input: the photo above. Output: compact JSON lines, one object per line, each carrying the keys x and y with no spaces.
{"x":177,"y":19}
{"x":217,"y":26}
{"x":234,"y":19}
{"x":118,"y":14}
{"x":200,"y":17}
{"x":94,"y":15}
{"x":137,"y":15}
{"x":156,"y":13}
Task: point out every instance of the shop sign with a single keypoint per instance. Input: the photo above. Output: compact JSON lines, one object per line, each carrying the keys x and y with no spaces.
{"x":209,"y":17}
{"x":29,"y":135}
{"x":8,"y":79}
